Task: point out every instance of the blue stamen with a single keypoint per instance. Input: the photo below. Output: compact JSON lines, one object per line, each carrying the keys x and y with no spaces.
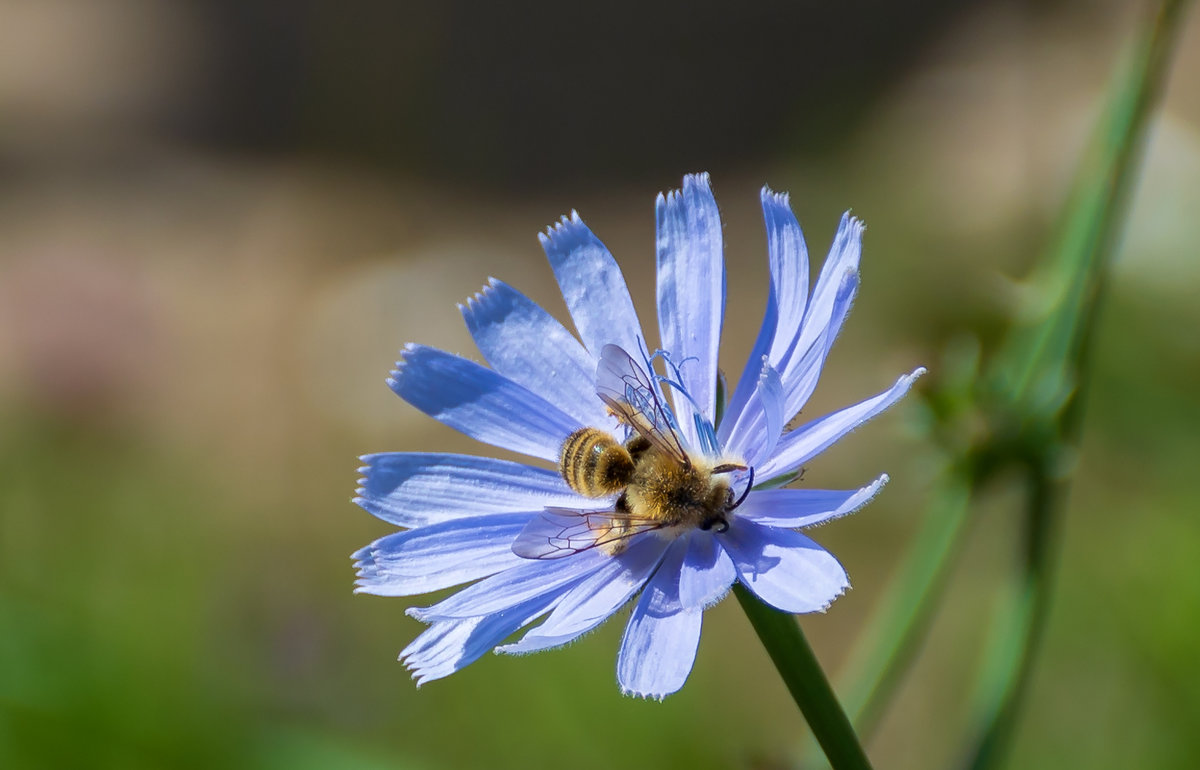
{"x":707,"y":434}
{"x":705,"y":430}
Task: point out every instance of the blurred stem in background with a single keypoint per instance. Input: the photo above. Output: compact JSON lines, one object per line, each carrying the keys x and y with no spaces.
{"x":1021,"y":410}
{"x":1050,"y":360}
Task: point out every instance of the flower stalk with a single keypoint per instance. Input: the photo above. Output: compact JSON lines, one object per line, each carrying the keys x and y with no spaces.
{"x":807,"y":683}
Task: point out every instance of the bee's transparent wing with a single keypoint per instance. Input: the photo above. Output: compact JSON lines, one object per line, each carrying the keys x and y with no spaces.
{"x":630,"y":393}
{"x":560,"y":532}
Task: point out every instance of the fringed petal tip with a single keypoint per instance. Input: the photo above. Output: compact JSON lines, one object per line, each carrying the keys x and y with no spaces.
{"x":809,"y":509}
{"x":366,"y":569}
{"x":906,"y":381}
{"x":629,"y":692}
{"x":360,"y":484}
{"x":845,"y":589}
{"x":865,"y":495}
{"x":769,"y":196}
{"x":698,"y":181}
{"x":693,"y":184}
{"x":406,"y":352}
{"x":820,"y":609}
{"x":829,"y":603}
{"x":568,"y":229}
{"x":474,"y":303}
{"x":363,"y":471}
{"x":713,"y":600}
{"x":801,"y":445}
{"x":418,"y":669}
{"x":365,"y":573}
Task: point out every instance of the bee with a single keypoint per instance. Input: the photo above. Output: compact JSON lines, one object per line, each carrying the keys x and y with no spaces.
{"x":658,"y":485}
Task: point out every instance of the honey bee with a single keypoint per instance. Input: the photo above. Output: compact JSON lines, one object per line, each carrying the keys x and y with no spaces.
{"x":658,"y":484}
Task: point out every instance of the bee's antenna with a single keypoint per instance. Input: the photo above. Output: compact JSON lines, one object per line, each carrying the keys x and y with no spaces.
{"x":746,"y":493}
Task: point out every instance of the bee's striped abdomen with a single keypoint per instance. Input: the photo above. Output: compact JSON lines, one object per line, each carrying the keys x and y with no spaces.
{"x":595,"y":464}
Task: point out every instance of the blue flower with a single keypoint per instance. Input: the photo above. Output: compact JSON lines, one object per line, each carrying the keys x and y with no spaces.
{"x":702,"y":506}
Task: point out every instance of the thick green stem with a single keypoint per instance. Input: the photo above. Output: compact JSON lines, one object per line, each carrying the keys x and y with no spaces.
{"x":798,"y":666}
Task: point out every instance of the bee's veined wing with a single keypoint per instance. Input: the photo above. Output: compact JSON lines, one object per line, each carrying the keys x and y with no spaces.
{"x":629,"y":392}
{"x":560,"y":532}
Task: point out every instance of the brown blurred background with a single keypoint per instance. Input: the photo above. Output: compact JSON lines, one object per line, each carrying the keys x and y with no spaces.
{"x":220,"y":219}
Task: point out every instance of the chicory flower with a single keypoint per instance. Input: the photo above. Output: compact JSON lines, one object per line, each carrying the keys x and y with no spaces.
{"x":697,"y":504}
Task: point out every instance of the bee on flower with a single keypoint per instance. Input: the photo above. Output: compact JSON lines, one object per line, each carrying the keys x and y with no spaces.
{"x":646,"y":496}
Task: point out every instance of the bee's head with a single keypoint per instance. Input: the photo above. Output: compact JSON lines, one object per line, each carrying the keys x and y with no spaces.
{"x":719,"y":521}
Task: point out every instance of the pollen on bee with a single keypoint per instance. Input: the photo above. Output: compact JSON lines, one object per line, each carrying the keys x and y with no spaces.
{"x":678,"y":495}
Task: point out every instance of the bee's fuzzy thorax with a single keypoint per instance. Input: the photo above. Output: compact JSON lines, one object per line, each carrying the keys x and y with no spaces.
{"x":675,"y":494}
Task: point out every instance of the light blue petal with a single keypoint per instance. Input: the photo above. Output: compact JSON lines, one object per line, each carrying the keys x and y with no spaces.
{"x":507,"y":589}
{"x":789,"y":268}
{"x":784,"y":568}
{"x":843,"y":258}
{"x":792,"y":508}
{"x":596,"y":598}
{"x":706,"y":574}
{"x":660,"y":641}
{"x":804,"y":371}
{"x":748,"y":382}
{"x":805,"y":442}
{"x":439,"y":556}
{"x":415,"y":489}
{"x":799,"y":351}
{"x":449,"y":646}
{"x":440,"y":650}
{"x":787,"y":298}
{"x":592,"y":286}
{"x":480,"y":403}
{"x":525,"y":344}
{"x":761,"y":422}
{"x":691,"y":294}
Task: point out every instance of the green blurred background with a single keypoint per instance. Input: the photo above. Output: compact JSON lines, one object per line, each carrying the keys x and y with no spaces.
{"x":219,"y":221}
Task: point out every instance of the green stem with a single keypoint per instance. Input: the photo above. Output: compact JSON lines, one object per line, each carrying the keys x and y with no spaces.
{"x":1053,"y":358}
{"x":892,"y":636}
{"x":796,"y":663}
{"x":1037,"y":394}
{"x":1009,"y":663}
{"x":1037,"y":358}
